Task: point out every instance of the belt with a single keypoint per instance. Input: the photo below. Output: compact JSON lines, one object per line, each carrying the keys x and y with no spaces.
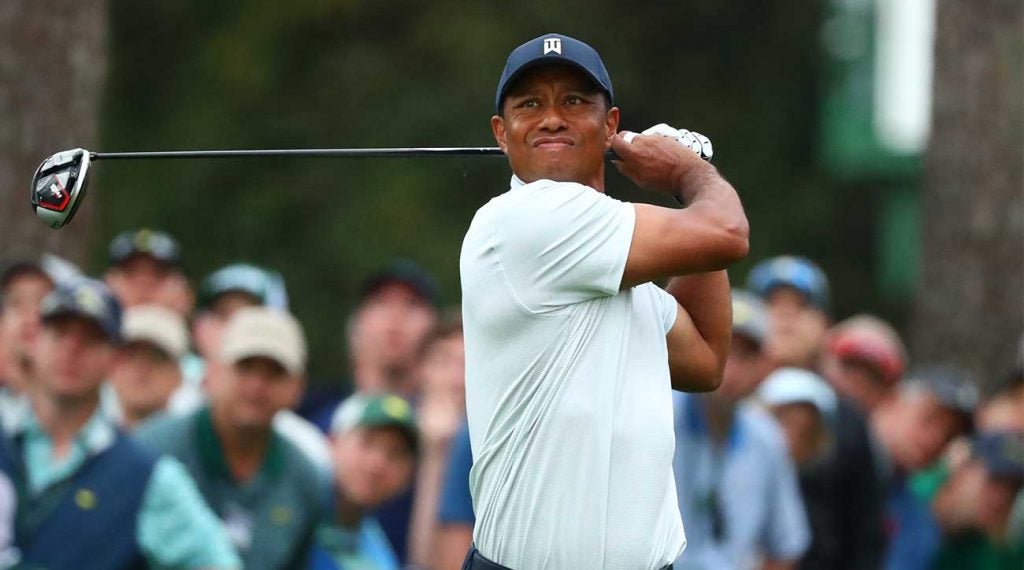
{"x":476,"y":561}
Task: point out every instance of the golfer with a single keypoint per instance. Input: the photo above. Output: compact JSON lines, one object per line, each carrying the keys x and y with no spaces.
{"x":571,"y":351}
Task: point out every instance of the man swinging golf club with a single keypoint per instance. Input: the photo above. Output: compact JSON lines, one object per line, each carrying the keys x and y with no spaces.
{"x":571,"y":351}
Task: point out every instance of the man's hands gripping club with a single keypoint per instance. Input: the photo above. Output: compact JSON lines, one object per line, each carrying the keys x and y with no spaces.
{"x":657,"y":164}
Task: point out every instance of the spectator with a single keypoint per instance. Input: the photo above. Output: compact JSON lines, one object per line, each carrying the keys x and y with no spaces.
{"x":974,"y":506}
{"x":805,"y":406}
{"x":90,"y":493}
{"x":374,"y":444}
{"x":914,"y":426}
{"x":398,"y":307}
{"x":864,"y":360}
{"x":846,"y":510}
{"x":23,"y":285}
{"x":145,"y":268}
{"x":796,"y":292}
{"x":441,"y":369}
{"x":267,"y":492}
{"x":221,"y":295}
{"x":736,"y":484}
{"x":146,"y":373}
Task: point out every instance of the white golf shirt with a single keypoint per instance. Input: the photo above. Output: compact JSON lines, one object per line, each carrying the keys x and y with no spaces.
{"x":567,"y":386}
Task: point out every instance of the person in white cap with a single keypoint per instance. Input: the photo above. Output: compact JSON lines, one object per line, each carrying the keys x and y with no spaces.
{"x":146,"y":371}
{"x":269,"y":494}
{"x":805,"y":405}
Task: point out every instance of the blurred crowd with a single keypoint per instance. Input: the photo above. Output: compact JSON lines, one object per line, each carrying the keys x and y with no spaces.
{"x":148,"y":422}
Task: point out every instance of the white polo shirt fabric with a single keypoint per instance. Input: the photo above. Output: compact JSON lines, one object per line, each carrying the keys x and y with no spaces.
{"x":567,"y":386}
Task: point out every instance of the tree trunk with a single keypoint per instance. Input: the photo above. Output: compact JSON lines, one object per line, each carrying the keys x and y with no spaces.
{"x":969,"y":307}
{"x":53,"y":57}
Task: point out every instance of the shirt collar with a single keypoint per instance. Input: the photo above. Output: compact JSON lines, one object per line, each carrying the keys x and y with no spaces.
{"x":98,"y":433}
{"x":212,"y":455}
{"x":516,"y":182}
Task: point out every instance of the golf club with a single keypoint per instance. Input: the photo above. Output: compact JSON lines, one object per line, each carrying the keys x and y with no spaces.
{"x":60,"y":183}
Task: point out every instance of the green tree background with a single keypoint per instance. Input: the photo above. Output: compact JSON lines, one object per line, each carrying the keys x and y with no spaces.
{"x":316,"y":73}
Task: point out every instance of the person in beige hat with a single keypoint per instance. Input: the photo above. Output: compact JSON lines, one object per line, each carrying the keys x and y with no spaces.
{"x":146,"y":372}
{"x":268,"y":493}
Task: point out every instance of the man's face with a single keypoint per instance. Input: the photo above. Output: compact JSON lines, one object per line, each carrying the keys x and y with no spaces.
{"x":797,"y":329}
{"x":924,"y":426}
{"x":372,"y":464}
{"x":804,"y":429}
{"x":143,"y":280}
{"x":744,"y":370}
{"x":996,"y":502}
{"x":72,"y":357}
{"x":389,"y":327}
{"x":209,"y":325}
{"x":19,"y":317}
{"x":144,"y":377}
{"x":250,"y":392}
{"x":856,"y":379}
{"x":557,"y":126}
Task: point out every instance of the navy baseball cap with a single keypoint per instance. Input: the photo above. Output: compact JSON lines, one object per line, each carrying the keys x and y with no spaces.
{"x":156,"y":244}
{"x":404,"y":272}
{"x":86,"y":298}
{"x":799,"y":273}
{"x":553,"y":49}
{"x":1002,"y":453}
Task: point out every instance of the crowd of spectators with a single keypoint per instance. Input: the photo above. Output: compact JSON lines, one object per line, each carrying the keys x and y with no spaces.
{"x":144,"y":421}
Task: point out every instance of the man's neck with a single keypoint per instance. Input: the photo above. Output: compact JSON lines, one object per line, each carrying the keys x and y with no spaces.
{"x":347,"y":514}
{"x":63,"y":418}
{"x":244,"y":449}
{"x":380,"y":378}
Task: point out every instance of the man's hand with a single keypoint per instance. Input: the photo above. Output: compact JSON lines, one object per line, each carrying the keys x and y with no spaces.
{"x":662,"y":158}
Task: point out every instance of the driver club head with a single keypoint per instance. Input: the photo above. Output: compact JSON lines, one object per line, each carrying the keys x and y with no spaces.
{"x":59,"y":185}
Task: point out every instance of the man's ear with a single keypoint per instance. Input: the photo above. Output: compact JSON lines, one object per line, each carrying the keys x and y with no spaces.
{"x":498,"y":128}
{"x":611,"y":122}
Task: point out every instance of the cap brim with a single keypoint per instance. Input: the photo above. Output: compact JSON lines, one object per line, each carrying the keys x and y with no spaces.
{"x":544,"y":61}
{"x":270,"y":350}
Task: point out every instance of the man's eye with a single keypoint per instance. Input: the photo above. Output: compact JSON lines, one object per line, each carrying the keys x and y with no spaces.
{"x":529,"y":104}
{"x":574,"y":100}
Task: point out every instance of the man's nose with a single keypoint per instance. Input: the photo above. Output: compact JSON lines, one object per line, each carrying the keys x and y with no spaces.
{"x":552,"y":119}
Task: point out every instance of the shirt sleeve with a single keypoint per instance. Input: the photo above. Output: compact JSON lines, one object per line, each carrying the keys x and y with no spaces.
{"x":787,"y":534}
{"x":456,"y":500}
{"x":176,"y":529}
{"x":668,"y":307}
{"x":561,"y":243}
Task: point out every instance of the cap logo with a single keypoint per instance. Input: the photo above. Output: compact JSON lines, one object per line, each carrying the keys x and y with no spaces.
{"x":552,"y":45}
{"x":396,"y":407}
{"x":89,"y":300}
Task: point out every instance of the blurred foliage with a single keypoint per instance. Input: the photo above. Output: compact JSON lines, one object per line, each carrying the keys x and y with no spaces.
{"x":199,"y":74}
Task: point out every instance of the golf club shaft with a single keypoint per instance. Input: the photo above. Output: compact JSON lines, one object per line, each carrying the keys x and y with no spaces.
{"x":303,"y":152}
{"x":413,"y":152}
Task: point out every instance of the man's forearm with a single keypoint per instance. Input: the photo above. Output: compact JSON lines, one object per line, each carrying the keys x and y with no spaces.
{"x":707,"y":299}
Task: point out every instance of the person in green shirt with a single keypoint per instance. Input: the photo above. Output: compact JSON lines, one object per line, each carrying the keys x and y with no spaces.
{"x":374,"y":443}
{"x":268,"y":493}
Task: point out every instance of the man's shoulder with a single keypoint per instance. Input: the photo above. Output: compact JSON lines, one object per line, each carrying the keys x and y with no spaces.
{"x":304,"y":475}
{"x":537,"y":195}
{"x":165,"y":432}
